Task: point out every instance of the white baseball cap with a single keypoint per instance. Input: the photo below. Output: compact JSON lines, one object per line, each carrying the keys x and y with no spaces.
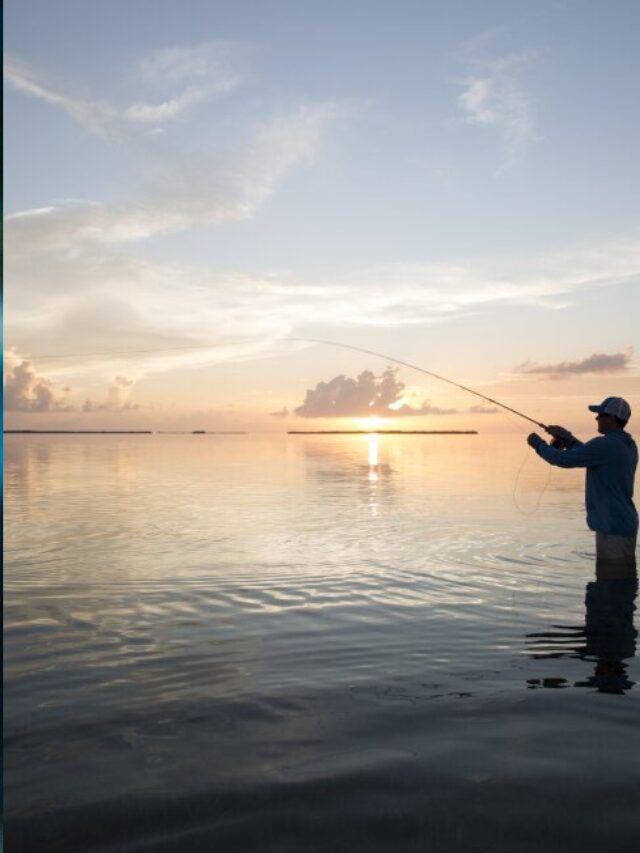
{"x":613,"y":406}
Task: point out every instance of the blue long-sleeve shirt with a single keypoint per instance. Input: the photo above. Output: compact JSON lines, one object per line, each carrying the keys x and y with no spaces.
{"x":611,"y":462}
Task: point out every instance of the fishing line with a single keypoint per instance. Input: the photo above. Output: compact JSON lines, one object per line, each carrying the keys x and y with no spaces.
{"x":536,"y":507}
{"x":525,"y":459}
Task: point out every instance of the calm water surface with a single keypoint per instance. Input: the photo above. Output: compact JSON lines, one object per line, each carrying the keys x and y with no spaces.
{"x":276,"y":643}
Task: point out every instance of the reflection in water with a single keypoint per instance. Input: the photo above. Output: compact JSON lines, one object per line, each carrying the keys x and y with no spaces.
{"x":26,"y":465}
{"x":372,"y":440}
{"x":608,"y":638}
{"x":344,"y":465}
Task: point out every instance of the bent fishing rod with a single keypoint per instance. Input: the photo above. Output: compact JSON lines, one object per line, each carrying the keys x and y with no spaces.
{"x":332,"y":344}
{"x":422,"y":370}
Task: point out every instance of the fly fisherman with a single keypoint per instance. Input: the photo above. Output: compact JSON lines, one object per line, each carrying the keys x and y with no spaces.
{"x":610,"y":461}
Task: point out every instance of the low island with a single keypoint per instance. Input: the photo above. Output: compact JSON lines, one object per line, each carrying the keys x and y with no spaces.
{"x":78,"y":432}
{"x":382,"y":432}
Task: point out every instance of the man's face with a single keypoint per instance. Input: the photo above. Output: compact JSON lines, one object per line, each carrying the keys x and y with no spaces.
{"x":606,"y":423}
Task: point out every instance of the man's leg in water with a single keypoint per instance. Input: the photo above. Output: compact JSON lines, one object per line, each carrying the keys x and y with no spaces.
{"x":615,"y":556}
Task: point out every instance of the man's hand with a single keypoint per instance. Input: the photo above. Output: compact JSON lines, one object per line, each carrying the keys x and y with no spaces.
{"x":562,"y":437}
{"x":533,"y":439}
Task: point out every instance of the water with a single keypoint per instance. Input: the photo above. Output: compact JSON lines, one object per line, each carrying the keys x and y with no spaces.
{"x":298,"y":643}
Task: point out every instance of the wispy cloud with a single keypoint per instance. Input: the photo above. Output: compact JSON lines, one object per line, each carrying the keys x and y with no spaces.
{"x":165,"y":110}
{"x":203,"y":192}
{"x":97,"y":298}
{"x":483,"y":410}
{"x":425,"y":409}
{"x":72,"y":279}
{"x":215,"y":63}
{"x":595,"y":363}
{"x":494,"y":97}
{"x":185,"y":76}
{"x":94,"y":114}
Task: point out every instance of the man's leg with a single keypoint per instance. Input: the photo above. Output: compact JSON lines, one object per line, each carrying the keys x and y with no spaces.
{"x":615,"y":556}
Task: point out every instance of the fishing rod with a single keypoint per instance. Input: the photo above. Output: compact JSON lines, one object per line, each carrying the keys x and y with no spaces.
{"x":327,"y":343}
{"x":422,"y":370}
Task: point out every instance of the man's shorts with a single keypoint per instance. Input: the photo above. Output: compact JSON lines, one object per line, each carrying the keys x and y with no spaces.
{"x":615,"y":556}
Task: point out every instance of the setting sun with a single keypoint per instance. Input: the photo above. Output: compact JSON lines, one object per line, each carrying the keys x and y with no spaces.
{"x":372,"y":423}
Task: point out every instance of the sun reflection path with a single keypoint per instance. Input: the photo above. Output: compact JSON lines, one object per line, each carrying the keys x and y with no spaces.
{"x":372,"y":441}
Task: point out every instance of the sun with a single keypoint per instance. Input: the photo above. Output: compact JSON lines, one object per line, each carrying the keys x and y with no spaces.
{"x":372,"y":423}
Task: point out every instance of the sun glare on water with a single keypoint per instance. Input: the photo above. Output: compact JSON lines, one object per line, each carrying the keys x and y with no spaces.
{"x":372,"y":443}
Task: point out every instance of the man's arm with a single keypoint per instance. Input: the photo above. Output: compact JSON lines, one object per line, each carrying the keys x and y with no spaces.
{"x":588,"y":455}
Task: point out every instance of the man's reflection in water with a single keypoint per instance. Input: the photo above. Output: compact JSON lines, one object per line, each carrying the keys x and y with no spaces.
{"x":608,"y":637}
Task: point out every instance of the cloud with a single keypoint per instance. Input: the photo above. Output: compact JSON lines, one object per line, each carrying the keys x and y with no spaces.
{"x":96,"y":296}
{"x":493,"y":97}
{"x":24,"y":391}
{"x":282,"y":413}
{"x":200,"y":71}
{"x":99,"y":298}
{"x":94,"y":115}
{"x":362,"y":397}
{"x":483,"y":410}
{"x":193,"y":192}
{"x":595,"y":363}
{"x":214,"y":63}
{"x":72,"y":279}
{"x":425,"y":409}
{"x":169,"y":109}
{"x":119,"y":394}
{"x":118,"y":398}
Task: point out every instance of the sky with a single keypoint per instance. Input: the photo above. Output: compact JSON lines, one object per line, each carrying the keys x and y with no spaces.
{"x":191,"y":184}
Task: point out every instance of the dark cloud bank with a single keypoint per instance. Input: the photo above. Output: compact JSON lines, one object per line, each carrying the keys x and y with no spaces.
{"x":595,"y":363}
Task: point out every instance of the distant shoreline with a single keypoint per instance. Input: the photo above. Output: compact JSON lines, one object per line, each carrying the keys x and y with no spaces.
{"x":383,"y":432}
{"x":112,"y":432}
{"x":234,"y":432}
{"x":78,"y":432}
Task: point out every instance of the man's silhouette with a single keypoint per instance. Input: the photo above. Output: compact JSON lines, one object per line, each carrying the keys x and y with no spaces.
{"x":611,"y":461}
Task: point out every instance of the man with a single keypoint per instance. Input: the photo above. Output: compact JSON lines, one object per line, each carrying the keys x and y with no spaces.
{"x":611,"y":462}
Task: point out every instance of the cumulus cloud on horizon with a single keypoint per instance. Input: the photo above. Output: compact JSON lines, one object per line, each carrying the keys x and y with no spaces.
{"x":25,"y":391}
{"x":118,"y":398}
{"x":363,"y":397}
{"x":595,"y":363}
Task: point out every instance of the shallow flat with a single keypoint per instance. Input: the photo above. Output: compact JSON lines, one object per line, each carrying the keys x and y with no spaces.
{"x":310,"y":642}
